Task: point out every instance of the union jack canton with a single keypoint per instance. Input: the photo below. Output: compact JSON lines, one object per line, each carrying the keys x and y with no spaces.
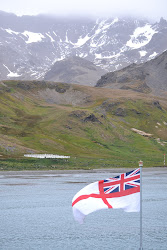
{"x":121,"y":185}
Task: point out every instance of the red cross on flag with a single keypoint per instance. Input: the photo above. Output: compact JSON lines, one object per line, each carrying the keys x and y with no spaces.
{"x":122,"y":191}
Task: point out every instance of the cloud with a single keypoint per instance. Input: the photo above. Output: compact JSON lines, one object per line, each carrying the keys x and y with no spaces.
{"x":147,"y":8}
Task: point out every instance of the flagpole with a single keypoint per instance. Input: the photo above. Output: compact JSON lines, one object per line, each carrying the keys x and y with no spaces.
{"x":141,"y":240}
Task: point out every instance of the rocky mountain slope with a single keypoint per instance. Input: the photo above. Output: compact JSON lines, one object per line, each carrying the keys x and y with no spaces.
{"x":146,"y":77}
{"x":75,"y":70}
{"x":30,"y":45}
{"x":105,"y":126}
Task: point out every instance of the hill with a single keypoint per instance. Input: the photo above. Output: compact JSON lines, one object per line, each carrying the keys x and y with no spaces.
{"x":97,"y":127}
{"x":146,"y":77}
{"x":75,"y":70}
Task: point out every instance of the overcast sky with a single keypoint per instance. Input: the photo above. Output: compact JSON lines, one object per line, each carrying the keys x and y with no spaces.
{"x":152,"y":9}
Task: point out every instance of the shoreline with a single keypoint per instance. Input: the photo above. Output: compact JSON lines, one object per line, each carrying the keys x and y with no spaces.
{"x":78,"y":171}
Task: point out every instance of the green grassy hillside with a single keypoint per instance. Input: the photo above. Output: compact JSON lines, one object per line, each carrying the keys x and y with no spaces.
{"x":96,"y":127}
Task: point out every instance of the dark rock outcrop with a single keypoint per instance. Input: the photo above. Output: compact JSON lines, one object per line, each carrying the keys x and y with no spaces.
{"x":91,"y":118}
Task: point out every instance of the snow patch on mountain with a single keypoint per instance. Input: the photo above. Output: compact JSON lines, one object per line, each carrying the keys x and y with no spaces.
{"x":58,"y":59}
{"x":141,"y":37}
{"x":11,"y":74}
{"x":33,"y":37}
{"x":51,"y":38}
{"x":102,"y":27}
{"x":152,"y":56}
{"x":142,"y":53}
{"x":81,"y":41}
{"x":105,"y":25}
{"x":11,"y":31}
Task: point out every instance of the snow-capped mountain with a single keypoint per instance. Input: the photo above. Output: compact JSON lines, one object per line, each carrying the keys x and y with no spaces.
{"x":30,"y":45}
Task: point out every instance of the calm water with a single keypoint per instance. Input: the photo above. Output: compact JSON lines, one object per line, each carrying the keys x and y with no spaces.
{"x":36,"y":213}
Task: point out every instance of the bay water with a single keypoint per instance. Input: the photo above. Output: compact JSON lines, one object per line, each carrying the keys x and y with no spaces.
{"x":36,"y":213}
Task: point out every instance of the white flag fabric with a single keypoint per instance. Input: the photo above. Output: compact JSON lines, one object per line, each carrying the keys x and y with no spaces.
{"x":122,"y":191}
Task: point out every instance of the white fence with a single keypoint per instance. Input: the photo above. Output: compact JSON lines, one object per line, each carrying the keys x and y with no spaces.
{"x":47,"y":156}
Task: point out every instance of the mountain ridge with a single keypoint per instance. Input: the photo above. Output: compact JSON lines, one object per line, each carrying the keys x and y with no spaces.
{"x":151,"y":76}
{"x":35,"y":43}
